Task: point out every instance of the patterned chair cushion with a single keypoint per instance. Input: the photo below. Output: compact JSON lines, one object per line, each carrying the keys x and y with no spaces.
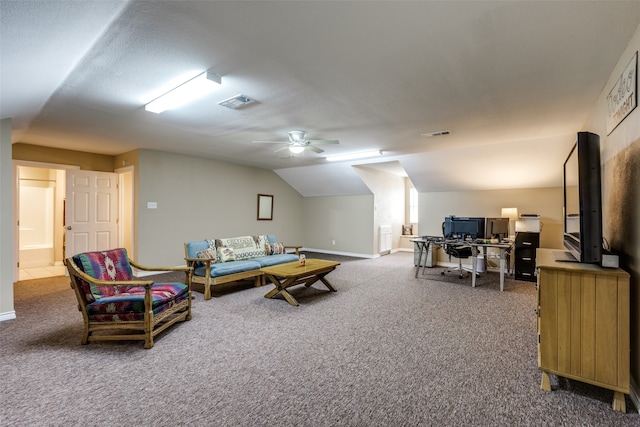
{"x":129,"y":305}
{"x":111,"y":265}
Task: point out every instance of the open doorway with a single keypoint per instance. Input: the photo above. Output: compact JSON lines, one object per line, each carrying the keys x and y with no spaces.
{"x":40,"y":221}
{"x":40,"y":211}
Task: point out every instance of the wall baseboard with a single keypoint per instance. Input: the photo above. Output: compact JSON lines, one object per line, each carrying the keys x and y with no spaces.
{"x":352,"y":254}
{"x":9,"y":315}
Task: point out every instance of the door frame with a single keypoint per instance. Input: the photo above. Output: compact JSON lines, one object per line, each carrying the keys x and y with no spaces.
{"x":16,"y":203}
{"x":126,"y":193}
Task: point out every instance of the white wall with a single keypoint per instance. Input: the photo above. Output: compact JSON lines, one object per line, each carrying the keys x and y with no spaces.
{"x":389,"y":202}
{"x":7,"y":256}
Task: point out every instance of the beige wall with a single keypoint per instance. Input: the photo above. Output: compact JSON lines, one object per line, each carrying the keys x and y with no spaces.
{"x":547,"y":202}
{"x":621,"y":190}
{"x":205,"y":199}
{"x":7,"y":255}
{"x":86,"y":161}
{"x":346,"y":219}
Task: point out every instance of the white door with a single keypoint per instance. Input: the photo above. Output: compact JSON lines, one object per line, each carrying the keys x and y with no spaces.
{"x":91,"y":211}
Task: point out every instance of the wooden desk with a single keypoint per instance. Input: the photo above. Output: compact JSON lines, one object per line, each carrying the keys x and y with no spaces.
{"x":292,"y":273}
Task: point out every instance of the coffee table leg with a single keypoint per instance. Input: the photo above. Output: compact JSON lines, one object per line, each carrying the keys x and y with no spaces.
{"x":281,"y":289}
{"x":327,"y":284}
{"x":290,"y":299}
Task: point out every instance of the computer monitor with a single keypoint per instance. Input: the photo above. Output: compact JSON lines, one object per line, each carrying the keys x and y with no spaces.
{"x":497,"y":228}
{"x":463,"y":227}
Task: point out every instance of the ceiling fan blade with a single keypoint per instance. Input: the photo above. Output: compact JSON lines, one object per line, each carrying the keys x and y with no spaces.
{"x":270,"y":142}
{"x":286,"y":147}
{"x":323,"y":141}
{"x":312,"y":148}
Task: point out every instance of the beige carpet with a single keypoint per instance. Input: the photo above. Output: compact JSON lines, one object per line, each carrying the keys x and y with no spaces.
{"x":387,"y":349}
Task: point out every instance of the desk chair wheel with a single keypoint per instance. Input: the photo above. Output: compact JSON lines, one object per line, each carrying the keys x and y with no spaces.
{"x":460,"y":276}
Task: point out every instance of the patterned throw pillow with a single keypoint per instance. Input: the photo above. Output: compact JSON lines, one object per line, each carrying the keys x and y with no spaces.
{"x":226,"y":254}
{"x":274,"y":248}
{"x":244,"y":247}
{"x":207,"y":254}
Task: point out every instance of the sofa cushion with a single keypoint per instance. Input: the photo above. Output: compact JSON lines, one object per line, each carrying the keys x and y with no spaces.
{"x":129,"y":305}
{"x":268,"y":261}
{"x":244,"y":247}
{"x":225,"y":268}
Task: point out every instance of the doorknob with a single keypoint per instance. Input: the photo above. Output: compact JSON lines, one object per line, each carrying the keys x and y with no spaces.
{"x":68,"y":227}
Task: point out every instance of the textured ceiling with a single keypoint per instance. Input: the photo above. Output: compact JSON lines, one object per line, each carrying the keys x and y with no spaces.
{"x":512,"y":81}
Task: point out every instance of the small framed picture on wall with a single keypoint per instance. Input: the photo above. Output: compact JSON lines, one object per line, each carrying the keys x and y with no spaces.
{"x":265,"y":207}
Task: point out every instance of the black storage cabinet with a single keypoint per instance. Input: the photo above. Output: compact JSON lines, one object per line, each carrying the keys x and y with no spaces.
{"x":525,"y":255}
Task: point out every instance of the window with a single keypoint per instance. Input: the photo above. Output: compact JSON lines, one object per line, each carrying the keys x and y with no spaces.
{"x":413,"y":205}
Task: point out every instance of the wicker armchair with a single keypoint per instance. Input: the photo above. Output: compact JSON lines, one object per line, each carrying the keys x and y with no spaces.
{"x":117,"y":306}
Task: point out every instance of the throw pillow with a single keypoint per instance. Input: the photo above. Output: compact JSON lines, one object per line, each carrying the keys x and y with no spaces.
{"x":275,"y":248}
{"x":207,"y":254}
{"x":226,"y":254}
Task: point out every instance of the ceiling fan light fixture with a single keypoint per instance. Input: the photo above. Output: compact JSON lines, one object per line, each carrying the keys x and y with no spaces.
{"x":354,"y":156}
{"x":188,"y":91}
{"x":296,"y":149}
{"x":297,"y":135}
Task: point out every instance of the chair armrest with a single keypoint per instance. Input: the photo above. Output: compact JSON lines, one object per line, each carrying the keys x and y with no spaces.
{"x":297,"y":248}
{"x":147,"y":268}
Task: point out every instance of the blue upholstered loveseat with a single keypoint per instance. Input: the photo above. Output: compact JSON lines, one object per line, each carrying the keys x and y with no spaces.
{"x":216,"y":261}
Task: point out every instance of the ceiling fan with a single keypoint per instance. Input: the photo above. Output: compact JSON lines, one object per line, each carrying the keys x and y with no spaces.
{"x":298,"y":142}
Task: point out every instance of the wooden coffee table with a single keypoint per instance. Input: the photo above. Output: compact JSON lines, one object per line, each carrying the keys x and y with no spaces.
{"x":292,"y":273}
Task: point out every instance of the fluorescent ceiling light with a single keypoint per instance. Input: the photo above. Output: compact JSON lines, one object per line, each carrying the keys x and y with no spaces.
{"x":185,"y":93}
{"x":296,"y":149}
{"x":352,"y":156}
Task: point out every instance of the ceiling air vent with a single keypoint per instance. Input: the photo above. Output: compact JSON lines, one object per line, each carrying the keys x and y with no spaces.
{"x":438,"y":133}
{"x":236,"y":102}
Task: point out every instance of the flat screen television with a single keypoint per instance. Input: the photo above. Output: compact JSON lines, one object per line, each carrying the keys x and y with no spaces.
{"x":496,"y":228}
{"x":583,"y":200}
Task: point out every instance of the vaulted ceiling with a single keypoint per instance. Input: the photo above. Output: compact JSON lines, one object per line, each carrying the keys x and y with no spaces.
{"x":511,"y":81}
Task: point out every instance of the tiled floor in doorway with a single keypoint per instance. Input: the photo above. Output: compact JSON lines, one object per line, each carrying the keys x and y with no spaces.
{"x":41,"y":272}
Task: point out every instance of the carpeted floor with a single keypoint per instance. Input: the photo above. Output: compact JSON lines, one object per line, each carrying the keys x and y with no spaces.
{"x":387,"y":349}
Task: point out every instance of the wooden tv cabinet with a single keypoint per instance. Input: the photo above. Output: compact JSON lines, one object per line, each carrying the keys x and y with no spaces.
{"x":583,"y":324}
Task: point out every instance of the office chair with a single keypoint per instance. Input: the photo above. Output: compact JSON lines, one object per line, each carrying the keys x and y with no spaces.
{"x":461,"y":251}
{"x":457,"y":249}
